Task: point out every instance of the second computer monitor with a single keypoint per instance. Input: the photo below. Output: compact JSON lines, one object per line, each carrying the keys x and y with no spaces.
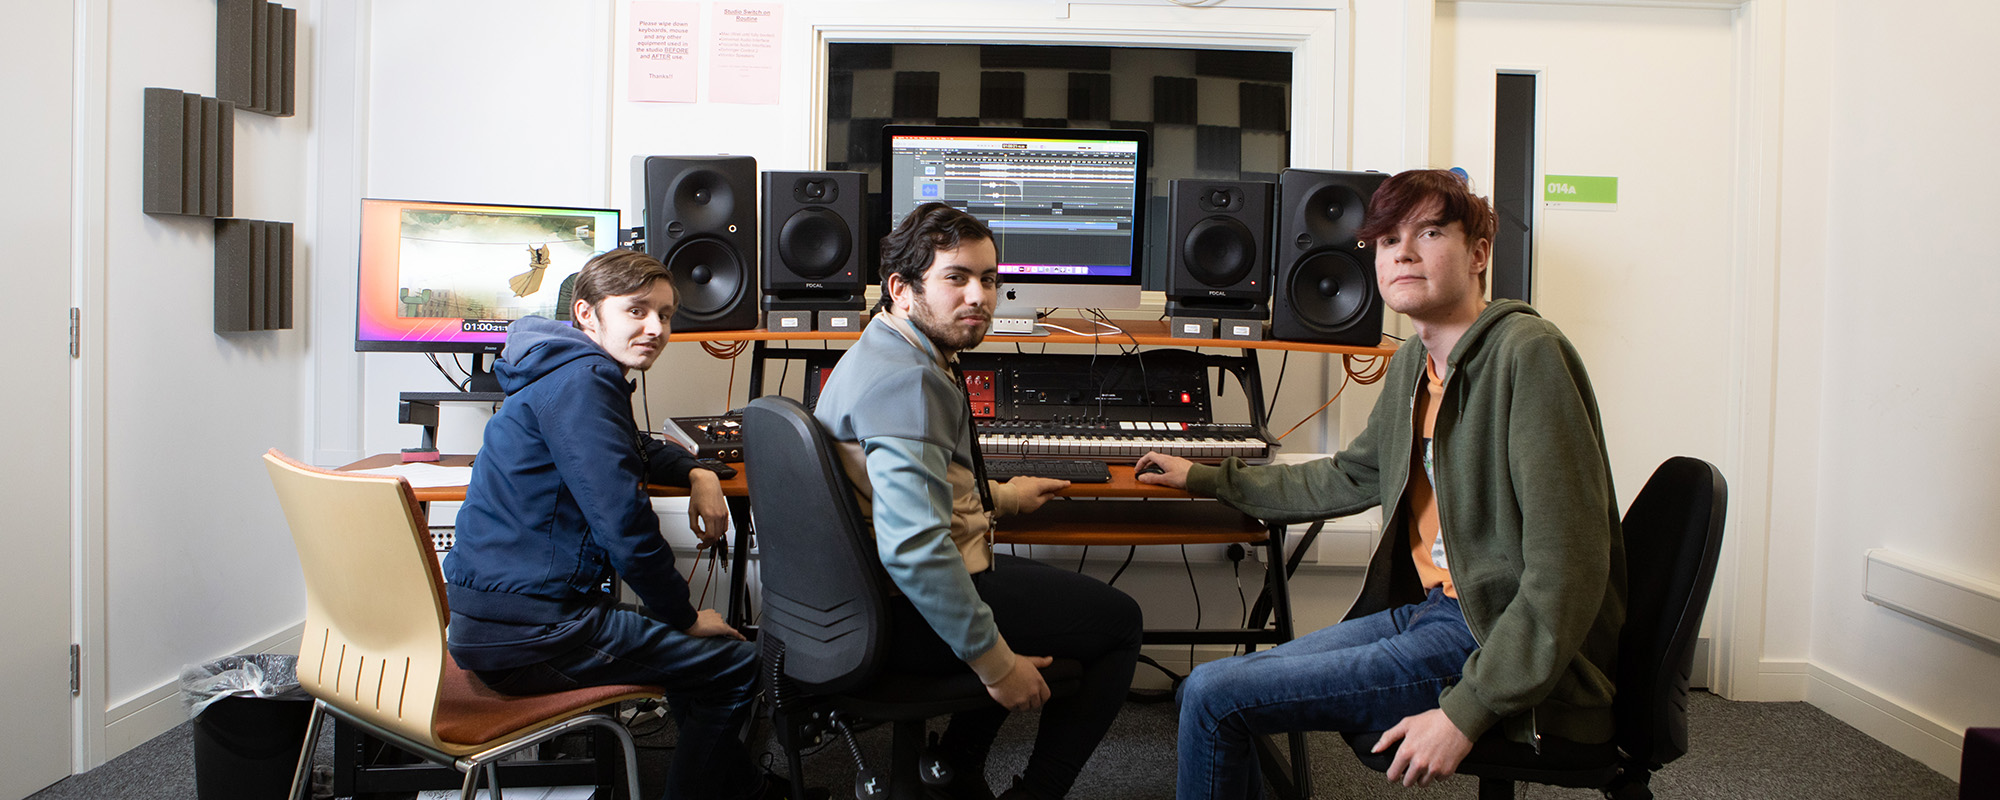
{"x":1066,"y":205}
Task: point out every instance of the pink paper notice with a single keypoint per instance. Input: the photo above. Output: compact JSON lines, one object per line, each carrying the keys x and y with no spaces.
{"x":663,"y":59}
{"x":746,"y":53}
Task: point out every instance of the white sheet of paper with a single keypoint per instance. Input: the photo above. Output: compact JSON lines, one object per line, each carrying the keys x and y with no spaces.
{"x":424,"y":475}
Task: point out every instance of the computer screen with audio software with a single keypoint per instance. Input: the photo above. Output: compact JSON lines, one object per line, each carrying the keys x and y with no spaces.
{"x":1066,"y":205}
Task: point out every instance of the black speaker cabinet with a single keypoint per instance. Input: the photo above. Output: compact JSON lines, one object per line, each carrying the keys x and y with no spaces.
{"x":813,"y":245}
{"x":700,"y":216}
{"x":1324,"y":290}
{"x":1220,"y":259}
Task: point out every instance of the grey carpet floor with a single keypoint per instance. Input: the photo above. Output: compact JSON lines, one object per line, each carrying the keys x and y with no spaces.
{"x":1740,"y":750}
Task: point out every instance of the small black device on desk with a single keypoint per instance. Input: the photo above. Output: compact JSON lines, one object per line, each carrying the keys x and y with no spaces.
{"x":1074,"y":470}
{"x":721,"y":470}
{"x":719,"y":437}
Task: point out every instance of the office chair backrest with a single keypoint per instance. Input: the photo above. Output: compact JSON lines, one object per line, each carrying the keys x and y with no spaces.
{"x":1673,"y":533}
{"x":823,"y":585}
{"x":375,"y":608}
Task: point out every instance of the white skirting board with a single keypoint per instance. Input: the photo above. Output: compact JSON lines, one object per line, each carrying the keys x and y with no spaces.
{"x":1937,"y":745}
{"x":150,"y":713}
{"x":1939,"y":596}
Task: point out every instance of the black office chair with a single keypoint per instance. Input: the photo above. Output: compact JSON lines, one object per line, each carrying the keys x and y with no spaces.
{"x":825,"y":628}
{"x":1673,"y":531}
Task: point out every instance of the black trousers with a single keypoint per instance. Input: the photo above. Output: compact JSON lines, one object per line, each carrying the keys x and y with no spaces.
{"x":1042,"y":611}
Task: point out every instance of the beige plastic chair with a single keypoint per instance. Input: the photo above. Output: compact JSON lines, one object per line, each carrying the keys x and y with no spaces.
{"x":373,"y":652}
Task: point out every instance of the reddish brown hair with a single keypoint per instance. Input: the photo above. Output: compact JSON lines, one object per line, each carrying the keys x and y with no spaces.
{"x":1414,"y":191}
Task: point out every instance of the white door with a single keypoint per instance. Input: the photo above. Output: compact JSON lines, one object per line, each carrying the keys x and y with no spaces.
{"x":35,"y":452}
{"x":1642,"y":95}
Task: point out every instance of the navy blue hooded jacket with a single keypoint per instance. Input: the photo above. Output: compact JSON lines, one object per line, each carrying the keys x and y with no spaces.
{"x":555,"y":506}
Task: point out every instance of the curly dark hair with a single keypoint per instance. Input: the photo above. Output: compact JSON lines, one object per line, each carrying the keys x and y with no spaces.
{"x":909,"y":250}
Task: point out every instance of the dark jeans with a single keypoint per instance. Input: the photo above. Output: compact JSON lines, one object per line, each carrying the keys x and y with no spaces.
{"x":710,"y":684}
{"x":1365,"y":674}
{"x":1041,"y":611}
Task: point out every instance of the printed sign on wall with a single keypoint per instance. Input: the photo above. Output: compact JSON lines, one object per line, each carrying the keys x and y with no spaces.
{"x":1580,"y":192}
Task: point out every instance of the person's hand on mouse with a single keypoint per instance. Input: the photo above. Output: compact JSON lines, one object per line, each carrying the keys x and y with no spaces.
{"x":1160,"y":469}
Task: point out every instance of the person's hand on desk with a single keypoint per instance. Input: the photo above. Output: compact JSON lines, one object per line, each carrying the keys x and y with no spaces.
{"x":1035,"y":491}
{"x":708,"y":512}
{"x":1159,"y":469}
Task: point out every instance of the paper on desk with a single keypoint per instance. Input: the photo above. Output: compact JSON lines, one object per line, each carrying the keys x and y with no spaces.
{"x":423,"y":475}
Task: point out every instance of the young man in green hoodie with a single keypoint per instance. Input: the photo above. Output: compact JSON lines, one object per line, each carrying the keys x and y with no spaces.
{"x":1496,"y":594}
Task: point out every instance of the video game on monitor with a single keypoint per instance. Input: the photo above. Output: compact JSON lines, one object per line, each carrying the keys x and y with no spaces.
{"x":450,"y":277}
{"x":1066,"y":205}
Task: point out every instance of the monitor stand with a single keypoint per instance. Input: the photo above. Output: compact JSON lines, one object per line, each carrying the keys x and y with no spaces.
{"x":482,"y":378}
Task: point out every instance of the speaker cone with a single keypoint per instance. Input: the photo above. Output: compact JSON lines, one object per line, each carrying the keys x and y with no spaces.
{"x":709,"y":276}
{"x":1329,"y":289}
{"x":1219,"y":251}
{"x":1331,"y":215}
{"x":702,"y":199}
{"x":814,"y":243}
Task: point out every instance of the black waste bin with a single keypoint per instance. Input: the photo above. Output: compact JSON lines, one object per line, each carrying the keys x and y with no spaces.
{"x":249,"y":725}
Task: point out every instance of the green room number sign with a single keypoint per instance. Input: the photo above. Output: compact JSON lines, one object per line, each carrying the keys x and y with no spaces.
{"x":1580,"y":192}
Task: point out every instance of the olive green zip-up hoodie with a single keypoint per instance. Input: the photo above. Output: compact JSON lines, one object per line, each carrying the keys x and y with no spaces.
{"x":1528,"y":515}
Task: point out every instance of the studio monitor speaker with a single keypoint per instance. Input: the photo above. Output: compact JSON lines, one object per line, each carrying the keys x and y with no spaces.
{"x":700,"y":216}
{"x":1324,"y":290}
{"x":813,"y":239}
{"x":1220,"y":254}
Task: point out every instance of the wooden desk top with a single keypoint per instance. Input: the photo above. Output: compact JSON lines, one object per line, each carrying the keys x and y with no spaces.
{"x":1141,"y":331}
{"x":1175,"y":519}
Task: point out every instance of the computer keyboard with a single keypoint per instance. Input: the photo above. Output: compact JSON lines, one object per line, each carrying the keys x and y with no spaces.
{"x":1074,"y":470}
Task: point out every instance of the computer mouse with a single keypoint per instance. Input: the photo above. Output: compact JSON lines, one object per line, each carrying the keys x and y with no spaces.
{"x":1149,"y":469}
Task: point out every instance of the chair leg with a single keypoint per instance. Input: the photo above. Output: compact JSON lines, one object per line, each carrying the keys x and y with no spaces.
{"x":630,"y":751}
{"x":469,"y":789}
{"x":1496,"y":789}
{"x":789,"y":733}
{"x":302,"y":777}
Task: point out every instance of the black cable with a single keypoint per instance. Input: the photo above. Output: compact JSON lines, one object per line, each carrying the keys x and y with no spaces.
{"x":1080,"y":558}
{"x":1196,"y":591}
{"x":1283,"y":362}
{"x":1129,"y":551}
{"x":645,"y":402}
{"x":455,"y":383}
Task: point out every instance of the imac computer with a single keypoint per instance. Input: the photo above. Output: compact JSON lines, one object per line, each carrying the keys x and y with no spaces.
{"x":1066,"y":205}
{"x":450,"y":277}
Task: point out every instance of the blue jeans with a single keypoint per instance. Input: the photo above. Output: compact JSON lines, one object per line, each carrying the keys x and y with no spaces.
{"x":1365,"y":674}
{"x":710,"y":685}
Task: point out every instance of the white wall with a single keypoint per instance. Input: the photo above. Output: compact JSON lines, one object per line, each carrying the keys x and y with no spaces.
{"x":197,"y":562}
{"x":1910,"y":348}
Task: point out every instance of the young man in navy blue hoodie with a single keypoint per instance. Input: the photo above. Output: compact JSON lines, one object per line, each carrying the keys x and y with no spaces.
{"x":555,"y":512}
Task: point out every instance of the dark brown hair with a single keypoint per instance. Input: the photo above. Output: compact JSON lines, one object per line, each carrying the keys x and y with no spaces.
{"x":1412,"y":192}
{"x":618,"y":272}
{"x":908,"y":250}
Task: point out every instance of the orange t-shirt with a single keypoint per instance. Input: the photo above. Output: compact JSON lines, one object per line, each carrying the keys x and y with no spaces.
{"x":1426,"y":546}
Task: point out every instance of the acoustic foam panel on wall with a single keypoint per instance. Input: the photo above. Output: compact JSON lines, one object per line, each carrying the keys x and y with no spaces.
{"x":190,"y":144}
{"x":253,"y":275}
{"x":256,"y":56}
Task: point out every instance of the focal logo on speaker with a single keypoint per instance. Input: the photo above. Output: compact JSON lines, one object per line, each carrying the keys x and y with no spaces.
{"x":700,"y":218}
{"x":1324,"y":290}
